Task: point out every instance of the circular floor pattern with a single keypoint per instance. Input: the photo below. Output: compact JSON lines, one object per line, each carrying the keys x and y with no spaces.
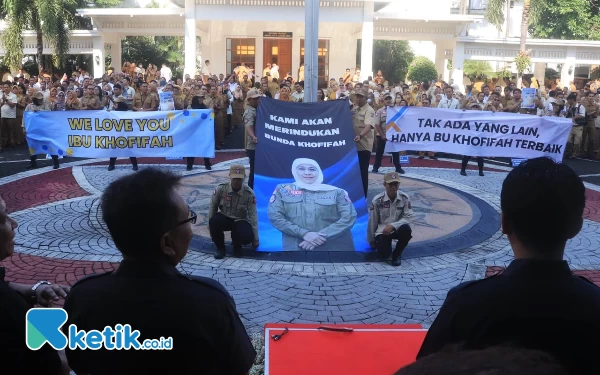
{"x":445,"y":220}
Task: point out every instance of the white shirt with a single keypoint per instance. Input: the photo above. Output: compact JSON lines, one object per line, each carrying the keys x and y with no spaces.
{"x":448,"y":103}
{"x":298,"y":95}
{"x":166,"y":72}
{"x":128,"y":94}
{"x":275,"y":72}
{"x":7,"y":111}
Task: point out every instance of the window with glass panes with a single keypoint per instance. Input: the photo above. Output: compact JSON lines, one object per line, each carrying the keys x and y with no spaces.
{"x":323,"y":60}
{"x":240,"y":50}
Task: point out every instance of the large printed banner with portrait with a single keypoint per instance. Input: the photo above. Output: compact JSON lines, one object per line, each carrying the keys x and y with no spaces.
{"x":307,"y":179}
{"x":476,"y":133}
{"x":103,"y":134}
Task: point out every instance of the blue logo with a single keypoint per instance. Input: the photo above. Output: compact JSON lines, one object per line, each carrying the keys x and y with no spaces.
{"x":398,"y":115}
{"x":43,"y":326}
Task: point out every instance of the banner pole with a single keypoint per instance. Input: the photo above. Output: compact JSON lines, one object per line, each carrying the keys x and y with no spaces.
{"x":311,"y":45}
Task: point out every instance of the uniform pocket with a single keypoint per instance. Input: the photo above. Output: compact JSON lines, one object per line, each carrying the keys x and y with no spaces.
{"x":292,"y":205}
{"x":327,"y":208}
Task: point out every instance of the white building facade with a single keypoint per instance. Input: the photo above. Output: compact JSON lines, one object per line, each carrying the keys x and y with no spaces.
{"x":257,"y":32}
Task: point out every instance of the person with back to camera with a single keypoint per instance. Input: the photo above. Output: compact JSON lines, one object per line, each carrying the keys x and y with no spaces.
{"x":537,"y":302}
{"x":312,"y":215}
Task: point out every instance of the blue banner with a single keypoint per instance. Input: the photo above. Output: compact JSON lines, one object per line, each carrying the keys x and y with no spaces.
{"x":307,"y":179}
{"x":103,"y":134}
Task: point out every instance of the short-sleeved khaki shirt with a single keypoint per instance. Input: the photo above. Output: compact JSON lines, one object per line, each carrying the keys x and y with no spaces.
{"x":145,"y":101}
{"x":364,"y":116}
{"x":90,"y":101}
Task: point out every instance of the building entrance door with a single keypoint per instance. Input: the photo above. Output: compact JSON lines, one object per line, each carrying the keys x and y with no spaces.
{"x":278,"y":51}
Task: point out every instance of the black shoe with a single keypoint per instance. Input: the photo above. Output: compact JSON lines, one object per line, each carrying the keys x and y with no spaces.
{"x":220,"y":254}
{"x":400,"y":170}
{"x":463,"y":172}
{"x":135,"y":168}
{"x":55,"y":166}
{"x":396,"y":262}
{"x":208,"y":167}
{"x":111,"y":167}
{"x":189,"y":168}
{"x":375,"y":170}
{"x":481,"y":173}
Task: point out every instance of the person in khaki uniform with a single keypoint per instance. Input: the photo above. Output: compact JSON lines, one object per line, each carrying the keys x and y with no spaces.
{"x":90,"y":101}
{"x":233,"y":208}
{"x":311,"y":215}
{"x":388,"y":219}
{"x":144,"y":100}
{"x":245,"y":84}
{"x":364,"y":121}
{"x":589,"y":131}
{"x":253,"y":99}
{"x":178,"y":98}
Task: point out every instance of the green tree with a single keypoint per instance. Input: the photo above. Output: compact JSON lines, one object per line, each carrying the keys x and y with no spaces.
{"x":566,"y":19}
{"x":475,"y":69}
{"x":392,"y":57}
{"x":155,"y":50}
{"x":422,"y":69}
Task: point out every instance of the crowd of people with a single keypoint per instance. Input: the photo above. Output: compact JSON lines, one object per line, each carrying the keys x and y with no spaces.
{"x":537,"y":314}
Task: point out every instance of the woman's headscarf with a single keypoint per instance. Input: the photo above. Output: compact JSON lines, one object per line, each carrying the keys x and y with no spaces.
{"x":60,"y":101}
{"x":318,"y":185}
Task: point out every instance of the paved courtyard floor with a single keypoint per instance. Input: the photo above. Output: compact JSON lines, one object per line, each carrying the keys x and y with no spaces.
{"x":62,"y":238}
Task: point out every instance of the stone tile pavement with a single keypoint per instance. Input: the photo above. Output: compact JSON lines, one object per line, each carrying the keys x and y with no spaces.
{"x":61,"y":238}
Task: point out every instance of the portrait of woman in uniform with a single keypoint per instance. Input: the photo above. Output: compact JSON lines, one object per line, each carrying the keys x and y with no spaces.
{"x":312,"y":215}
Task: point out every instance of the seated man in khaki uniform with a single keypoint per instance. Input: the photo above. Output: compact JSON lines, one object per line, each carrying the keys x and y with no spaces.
{"x":233,"y":208}
{"x":388,"y":216}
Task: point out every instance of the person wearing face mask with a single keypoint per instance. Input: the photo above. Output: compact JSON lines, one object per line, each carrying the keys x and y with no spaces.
{"x":151,"y":226}
{"x":15,"y":300}
{"x":312,"y":215}
{"x":38,"y":104}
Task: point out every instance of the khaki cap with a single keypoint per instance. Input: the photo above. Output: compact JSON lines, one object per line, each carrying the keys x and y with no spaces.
{"x":363,"y":92}
{"x":38,"y":95}
{"x":253,"y":93}
{"x":237,"y":171}
{"x":391,"y":177}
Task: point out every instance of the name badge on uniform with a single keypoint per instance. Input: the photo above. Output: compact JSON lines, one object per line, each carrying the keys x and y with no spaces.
{"x":384,"y":205}
{"x":296,"y":192}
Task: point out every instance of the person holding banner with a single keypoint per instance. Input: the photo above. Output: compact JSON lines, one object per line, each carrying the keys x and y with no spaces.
{"x":363,"y":118}
{"x":233,"y":208}
{"x":465,"y":158}
{"x":38,"y":104}
{"x":311,"y":215}
{"x":380,"y":126}
{"x":198,"y":103}
{"x":388,"y":216}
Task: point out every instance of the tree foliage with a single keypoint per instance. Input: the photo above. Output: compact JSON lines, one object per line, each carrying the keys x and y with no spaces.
{"x":392,"y":57}
{"x":50,"y":19}
{"x":155,"y":50}
{"x":566,"y":19}
{"x":422,"y":69}
{"x":476,"y":69}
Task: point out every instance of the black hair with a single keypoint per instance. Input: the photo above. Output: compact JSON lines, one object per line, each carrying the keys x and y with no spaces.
{"x":138,"y":209}
{"x":542,"y":202}
{"x":572,"y":96}
{"x":552,"y":93}
{"x":118,"y":86}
